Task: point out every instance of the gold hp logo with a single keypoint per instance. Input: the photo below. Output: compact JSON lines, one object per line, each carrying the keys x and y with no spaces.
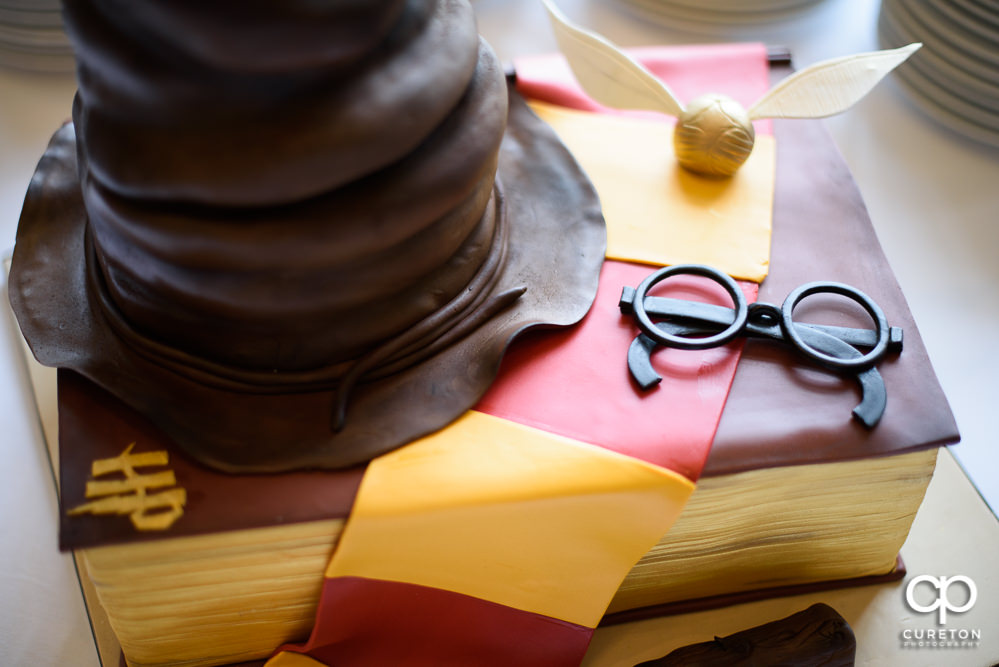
{"x":942,"y":601}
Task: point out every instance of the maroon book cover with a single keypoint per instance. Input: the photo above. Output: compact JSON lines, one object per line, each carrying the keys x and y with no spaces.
{"x":781,"y":411}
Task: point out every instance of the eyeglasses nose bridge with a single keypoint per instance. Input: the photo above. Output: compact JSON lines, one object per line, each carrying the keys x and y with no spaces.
{"x":764,"y":315}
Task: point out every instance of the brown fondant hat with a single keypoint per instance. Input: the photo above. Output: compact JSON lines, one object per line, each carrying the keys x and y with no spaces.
{"x":555,"y":250}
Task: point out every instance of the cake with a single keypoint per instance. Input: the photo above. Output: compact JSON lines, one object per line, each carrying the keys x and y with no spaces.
{"x":132,"y":368}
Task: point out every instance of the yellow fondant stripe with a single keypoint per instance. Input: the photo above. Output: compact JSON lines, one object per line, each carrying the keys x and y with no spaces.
{"x":510,"y":514}
{"x":657,"y":212}
{"x":289,"y":659}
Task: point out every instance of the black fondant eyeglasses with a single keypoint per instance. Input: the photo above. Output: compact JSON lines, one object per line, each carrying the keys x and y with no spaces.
{"x":692,"y":325}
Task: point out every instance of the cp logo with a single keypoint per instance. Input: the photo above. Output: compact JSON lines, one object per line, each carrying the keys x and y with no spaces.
{"x":943,"y":603}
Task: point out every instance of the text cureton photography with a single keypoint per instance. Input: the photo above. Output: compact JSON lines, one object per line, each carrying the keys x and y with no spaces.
{"x":925,"y":594}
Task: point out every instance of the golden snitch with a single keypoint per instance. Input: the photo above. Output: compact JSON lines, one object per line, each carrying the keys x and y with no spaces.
{"x":714,"y":134}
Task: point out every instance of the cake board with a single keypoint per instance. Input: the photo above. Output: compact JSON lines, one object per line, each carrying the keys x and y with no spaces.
{"x":923,"y":444}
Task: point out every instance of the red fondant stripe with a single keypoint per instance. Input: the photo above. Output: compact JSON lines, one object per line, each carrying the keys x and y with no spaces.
{"x":575,"y":382}
{"x":364,"y":622}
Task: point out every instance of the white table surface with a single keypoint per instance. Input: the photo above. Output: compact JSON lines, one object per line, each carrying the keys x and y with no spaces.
{"x":932,"y":194}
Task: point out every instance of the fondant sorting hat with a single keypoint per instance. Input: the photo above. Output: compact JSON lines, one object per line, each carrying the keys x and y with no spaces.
{"x":307,"y":255}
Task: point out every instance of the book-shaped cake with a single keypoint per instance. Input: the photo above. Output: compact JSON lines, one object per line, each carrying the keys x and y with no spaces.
{"x":794,"y":493}
{"x":745,"y":472}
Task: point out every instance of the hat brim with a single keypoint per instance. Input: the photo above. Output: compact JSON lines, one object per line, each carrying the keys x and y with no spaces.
{"x":557,"y":240}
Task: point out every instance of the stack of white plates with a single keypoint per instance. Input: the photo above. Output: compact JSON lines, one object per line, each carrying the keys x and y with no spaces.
{"x":32,"y":38}
{"x":955,"y":76}
{"x":722,"y":12}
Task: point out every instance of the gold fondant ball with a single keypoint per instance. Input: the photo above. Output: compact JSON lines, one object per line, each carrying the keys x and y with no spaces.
{"x":713,"y":136}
